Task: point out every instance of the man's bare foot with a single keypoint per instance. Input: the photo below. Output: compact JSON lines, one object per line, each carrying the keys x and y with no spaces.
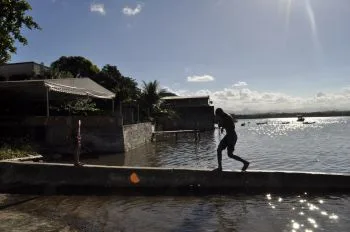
{"x":79,"y":164}
{"x":245,"y":166}
{"x":218,"y":169}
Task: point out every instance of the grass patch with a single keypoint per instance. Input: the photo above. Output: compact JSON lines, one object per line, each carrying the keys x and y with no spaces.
{"x":16,"y":149}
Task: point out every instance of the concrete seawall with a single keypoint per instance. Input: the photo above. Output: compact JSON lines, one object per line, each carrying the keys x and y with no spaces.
{"x":57,"y":134}
{"x":46,"y":178}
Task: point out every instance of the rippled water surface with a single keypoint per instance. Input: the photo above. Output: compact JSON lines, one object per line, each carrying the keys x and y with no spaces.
{"x":322,"y":146}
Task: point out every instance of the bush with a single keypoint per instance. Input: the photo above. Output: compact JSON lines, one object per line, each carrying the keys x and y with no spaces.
{"x":15,"y":148}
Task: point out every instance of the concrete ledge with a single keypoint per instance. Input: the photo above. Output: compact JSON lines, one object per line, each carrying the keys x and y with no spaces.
{"x":47,"y":178}
{"x":27,"y":158}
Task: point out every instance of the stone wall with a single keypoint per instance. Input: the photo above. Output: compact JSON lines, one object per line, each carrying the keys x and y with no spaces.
{"x":136,"y":135}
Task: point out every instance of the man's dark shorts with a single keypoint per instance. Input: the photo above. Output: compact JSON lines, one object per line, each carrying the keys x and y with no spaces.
{"x":229,"y":142}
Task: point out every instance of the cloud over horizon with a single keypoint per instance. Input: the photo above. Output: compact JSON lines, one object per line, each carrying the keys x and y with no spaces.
{"x":203,"y":78}
{"x":131,"y":12}
{"x":247,"y":101}
{"x":98,"y":8}
{"x":240,"y":84}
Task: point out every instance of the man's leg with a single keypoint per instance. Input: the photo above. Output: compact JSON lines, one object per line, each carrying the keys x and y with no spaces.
{"x":230,"y":154}
{"x":222,"y":146}
{"x":219,"y":155}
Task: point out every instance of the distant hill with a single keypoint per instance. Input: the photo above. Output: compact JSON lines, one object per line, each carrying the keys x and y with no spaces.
{"x":290,"y":115}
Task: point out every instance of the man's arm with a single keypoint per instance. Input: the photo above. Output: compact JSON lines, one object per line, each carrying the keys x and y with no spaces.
{"x":220,"y":126}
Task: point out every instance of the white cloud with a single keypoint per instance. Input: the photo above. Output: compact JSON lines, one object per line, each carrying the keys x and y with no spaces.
{"x":97,"y":7}
{"x":245,"y":101}
{"x":130,"y":11}
{"x":320,"y":94}
{"x":240,"y":84}
{"x":204,"y":78}
{"x":346,"y":90}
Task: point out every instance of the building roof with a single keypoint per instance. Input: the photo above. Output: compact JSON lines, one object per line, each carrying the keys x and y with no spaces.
{"x":184,"y":97}
{"x":26,"y":62}
{"x":72,"y":86}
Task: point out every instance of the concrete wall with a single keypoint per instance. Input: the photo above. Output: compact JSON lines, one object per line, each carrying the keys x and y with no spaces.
{"x":136,"y":135}
{"x":24,"y":177}
{"x":25,"y":68}
{"x":189,"y":118}
{"x":100,"y":134}
{"x":8,"y":70}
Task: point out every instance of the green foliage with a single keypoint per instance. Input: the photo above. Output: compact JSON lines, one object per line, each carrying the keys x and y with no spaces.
{"x":15,"y":148}
{"x":79,"y":106}
{"x":76,"y":65}
{"x":54,"y":73}
{"x":12,"y":19}
{"x":125,"y":88}
{"x":150,"y":98}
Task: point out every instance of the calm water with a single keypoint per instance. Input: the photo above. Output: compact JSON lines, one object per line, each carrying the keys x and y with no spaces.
{"x":322,"y":146}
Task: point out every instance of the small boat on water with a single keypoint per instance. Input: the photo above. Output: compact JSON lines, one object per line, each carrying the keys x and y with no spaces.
{"x":285,"y":122}
{"x":261,"y":123}
{"x":300,"y":118}
{"x":243,"y":124}
{"x":309,"y":122}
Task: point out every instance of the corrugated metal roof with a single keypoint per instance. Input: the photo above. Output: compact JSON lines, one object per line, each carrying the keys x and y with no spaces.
{"x":79,"y":86}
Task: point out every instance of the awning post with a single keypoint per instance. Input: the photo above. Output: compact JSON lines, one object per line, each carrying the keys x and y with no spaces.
{"x":113,"y":105}
{"x":47,"y":102}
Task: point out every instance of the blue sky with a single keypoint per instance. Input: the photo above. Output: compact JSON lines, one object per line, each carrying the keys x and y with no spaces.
{"x":250,"y":56}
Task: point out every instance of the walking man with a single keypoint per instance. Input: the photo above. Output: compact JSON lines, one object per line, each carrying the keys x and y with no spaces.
{"x":229,"y":141}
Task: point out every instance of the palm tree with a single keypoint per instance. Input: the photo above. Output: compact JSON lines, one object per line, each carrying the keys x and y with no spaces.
{"x":151,"y":95}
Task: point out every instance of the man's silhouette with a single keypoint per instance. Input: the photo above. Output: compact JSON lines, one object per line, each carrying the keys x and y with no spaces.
{"x":229,"y":141}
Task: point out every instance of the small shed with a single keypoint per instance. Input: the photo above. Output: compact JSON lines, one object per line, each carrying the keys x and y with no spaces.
{"x":192,"y":113}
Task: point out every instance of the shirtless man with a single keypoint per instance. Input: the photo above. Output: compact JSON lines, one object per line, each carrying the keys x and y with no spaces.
{"x":230,"y":139}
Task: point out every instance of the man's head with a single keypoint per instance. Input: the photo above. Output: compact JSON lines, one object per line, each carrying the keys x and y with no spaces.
{"x":219,"y":112}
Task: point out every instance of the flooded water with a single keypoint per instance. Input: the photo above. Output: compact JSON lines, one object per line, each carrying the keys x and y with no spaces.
{"x":322,"y":146}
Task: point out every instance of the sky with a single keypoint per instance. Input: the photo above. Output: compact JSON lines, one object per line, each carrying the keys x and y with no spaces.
{"x":250,"y":56}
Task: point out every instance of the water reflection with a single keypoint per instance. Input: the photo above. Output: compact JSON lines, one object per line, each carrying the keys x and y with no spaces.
{"x":318,"y":147}
{"x":211,"y":213}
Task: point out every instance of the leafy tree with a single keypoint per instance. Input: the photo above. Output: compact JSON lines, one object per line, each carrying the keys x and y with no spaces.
{"x":125,"y":88}
{"x":108,"y":77}
{"x":151,"y":95}
{"x":76,"y":65}
{"x":12,"y":19}
{"x":57,"y":74}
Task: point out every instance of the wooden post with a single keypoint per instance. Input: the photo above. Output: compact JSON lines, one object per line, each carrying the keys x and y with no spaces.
{"x":78,"y":147}
{"x":113,"y":105}
{"x":132,"y":115}
{"x":47,"y":102}
{"x":121,"y":113}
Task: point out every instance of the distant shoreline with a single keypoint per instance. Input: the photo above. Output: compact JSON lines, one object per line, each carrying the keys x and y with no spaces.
{"x":293,"y":115}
